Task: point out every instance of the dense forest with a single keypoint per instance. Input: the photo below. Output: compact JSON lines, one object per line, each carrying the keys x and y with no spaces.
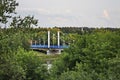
{"x":93,"y":53}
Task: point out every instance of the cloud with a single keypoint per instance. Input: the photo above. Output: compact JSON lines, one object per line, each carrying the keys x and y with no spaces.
{"x":106,"y":14}
{"x":58,"y":20}
{"x":68,"y":11}
{"x":25,"y":9}
{"x":38,"y":10}
{"x":46,"y":11}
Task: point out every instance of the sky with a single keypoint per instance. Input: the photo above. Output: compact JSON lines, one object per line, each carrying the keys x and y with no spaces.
{"x":74,"y":13}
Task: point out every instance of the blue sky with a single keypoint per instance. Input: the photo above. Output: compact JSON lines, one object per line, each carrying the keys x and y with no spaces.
{"x":75,"y":13}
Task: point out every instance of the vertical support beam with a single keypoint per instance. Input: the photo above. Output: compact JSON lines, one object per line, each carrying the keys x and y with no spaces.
{"x":58,"y":38}
{"x":58,"y":33}
{"x":48,"y":51}
{"x":48,"y":39}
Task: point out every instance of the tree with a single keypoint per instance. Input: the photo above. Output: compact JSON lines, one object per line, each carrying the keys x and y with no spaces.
{"x":23,"y":65}
{"x":7,"y":7}
{"x":32,"y":64}
{"x":25,"y":22}
{"x":97,"y":53}
{"x":10,"y":68}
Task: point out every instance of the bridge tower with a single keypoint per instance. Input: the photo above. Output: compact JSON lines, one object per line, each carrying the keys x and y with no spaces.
{"x":48,"y":51}
{"x":58,"y":34}
{"x":58,"y":42}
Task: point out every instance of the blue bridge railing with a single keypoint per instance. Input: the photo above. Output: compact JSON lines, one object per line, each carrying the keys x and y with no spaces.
{"x":46,"y":46}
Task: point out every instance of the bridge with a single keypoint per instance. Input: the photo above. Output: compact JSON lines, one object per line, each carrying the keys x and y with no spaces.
{"x":49,"y":47}
{"x":46,"y":47}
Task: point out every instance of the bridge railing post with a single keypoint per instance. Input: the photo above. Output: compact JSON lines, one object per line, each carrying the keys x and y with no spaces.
{"x":35,"y":42}
{"x":39,"y":42}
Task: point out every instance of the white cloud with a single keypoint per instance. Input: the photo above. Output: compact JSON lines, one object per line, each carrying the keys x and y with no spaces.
{"x":43,"y":11}
{"x":68,"y":11}
{"x":106,"y":14}
{"x":58,"y":20}
{"x":39,"y":10}
{"x":46,"y":11}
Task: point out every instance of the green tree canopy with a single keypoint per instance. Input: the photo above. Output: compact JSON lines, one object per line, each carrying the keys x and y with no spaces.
{"x":96,"y":54}
{"x":7,"y":7}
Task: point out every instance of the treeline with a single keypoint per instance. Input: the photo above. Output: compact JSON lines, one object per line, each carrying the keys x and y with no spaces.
{"x":80,"y":30}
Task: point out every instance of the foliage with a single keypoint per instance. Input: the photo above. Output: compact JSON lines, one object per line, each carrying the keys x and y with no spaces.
{"x":7,"y":7}
{"x":10,"y":68}
{"x":25,"y":22}
{"x":10,"y":42}
{"x":33,"y":65}
{"x":23,"y":66}
{"x":94,"y":53}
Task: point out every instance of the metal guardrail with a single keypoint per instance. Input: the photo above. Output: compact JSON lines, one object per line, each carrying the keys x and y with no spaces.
{"x":46,"y":47}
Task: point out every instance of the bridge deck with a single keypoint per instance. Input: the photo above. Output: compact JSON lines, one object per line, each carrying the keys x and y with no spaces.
{"x":46,"y":47}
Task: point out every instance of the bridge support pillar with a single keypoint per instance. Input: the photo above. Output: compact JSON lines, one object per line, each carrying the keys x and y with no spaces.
{"x":59,"y":51}
{"x":48,"y":52}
